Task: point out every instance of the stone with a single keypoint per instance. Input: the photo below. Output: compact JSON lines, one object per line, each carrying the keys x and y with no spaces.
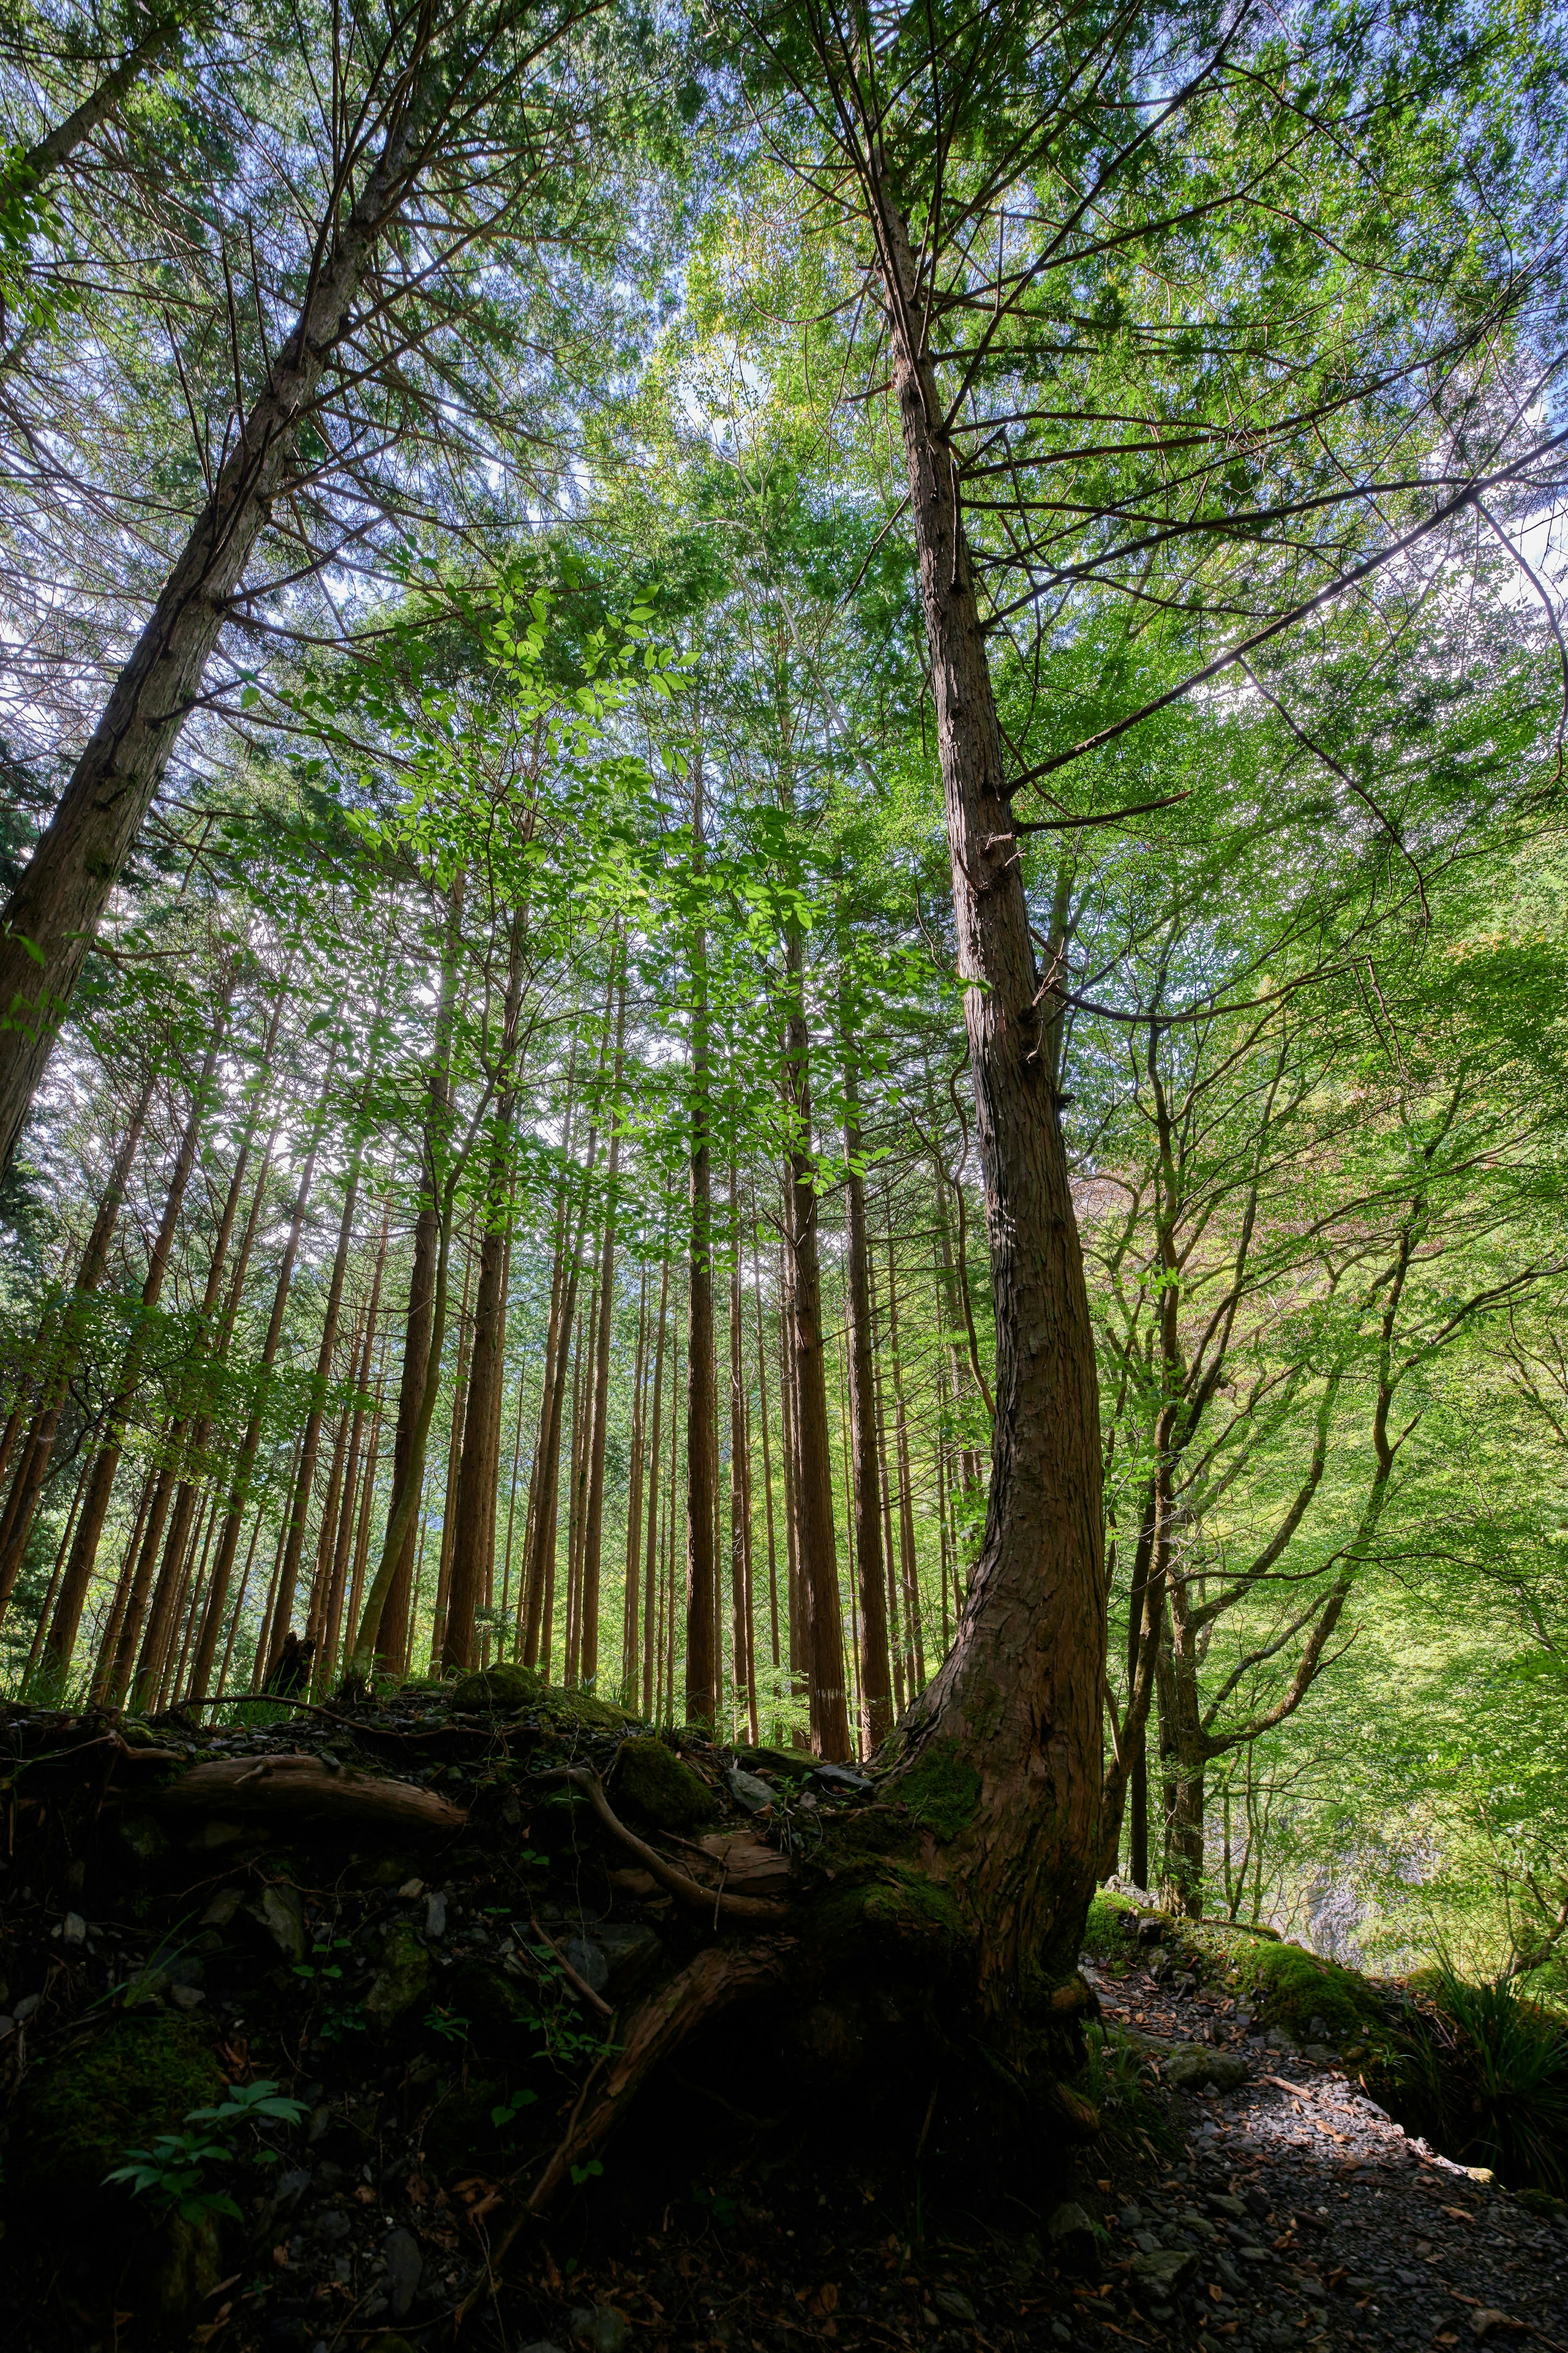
{"x":600,"y":2328}
{"x":838,"y":1781}
{"x":632,"y":1951}
{"x":1070,"y":2236}
{"x":179,"y":2261}
{"x":955,"y":2305}
{"x":1277,"y":2040}
{"x":542,"y":2346}
{"x":1232,"y":2208}
{"x":1193,"y":2067}
{"x":1159,"y":2276}
{"x":186,"y":1996}
{"x":436,"y":1913}
{"x":652,"y":1782}
{"x":751,"y":1794}
{"x":404,"y":2269}
{"x":402,"y":1978}
{"x":136,"y":2077}
{"x":223,"y":1907}
{"x":1320,"y":2054}
{"x":498,"y":1687}
{"x":281,"y":1911}
{"x":410,"y":1889}
{"x":73,"y":1929}
{"x":588,"y":1961}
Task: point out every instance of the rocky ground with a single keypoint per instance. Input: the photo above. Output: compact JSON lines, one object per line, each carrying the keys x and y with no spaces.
{"x":431,"y":2006}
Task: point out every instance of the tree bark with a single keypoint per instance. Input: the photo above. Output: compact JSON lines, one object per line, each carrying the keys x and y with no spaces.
{"x":52,"y":917}
{"x":48,"y":154}
{"x":593,"y":1527}
{"x":1013,"y":1719}
{"x":702,"y":1452}
{"x":817,"y":1570}
{"x":870,"y":1573}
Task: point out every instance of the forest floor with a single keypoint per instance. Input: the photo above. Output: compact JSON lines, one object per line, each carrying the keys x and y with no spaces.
{"x":436,"y":2011}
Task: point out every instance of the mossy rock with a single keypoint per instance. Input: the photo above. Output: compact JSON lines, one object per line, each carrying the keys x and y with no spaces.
{"x":798,"y":1762}
{"x":498,"y":1687}
{"x":402,"y":1976}
{"x":653,"y":1783}
{"x":1111,"y":1923}
{"x":582,"y":1707}
{"x":77,"y":2117}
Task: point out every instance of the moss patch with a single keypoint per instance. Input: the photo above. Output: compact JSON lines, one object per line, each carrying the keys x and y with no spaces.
{"x":942,"y":1789}
{"x":896,"y":1916}
{"x":1292,"y":1987}
{"x":1109,"y":1925}
{"x":76,"y":2118}
{"x":653,"y":1783}
{"x":502,"y":1686}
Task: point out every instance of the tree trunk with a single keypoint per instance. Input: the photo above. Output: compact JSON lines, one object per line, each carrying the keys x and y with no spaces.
{"x":871,"y":1575}
{"x":817,"y":1570}
{"x":742,"y":1617}
{"x":701,"y":1453}
{"x":47,"y":154}
{"x":60,"y":1360}
{"x":94,"y":1511}
{"x":53,"y":915}
{"x":593,"y":1525}
{"x":1011,"y":1724}
{"x":650,"y":1587}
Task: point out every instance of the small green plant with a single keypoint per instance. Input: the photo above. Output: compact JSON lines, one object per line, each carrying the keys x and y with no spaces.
{"x":1488,"y":2070}
{"x":328,"y":1967}
{"x":448,"y":2023}
{"x":1112,"y":2077}
{"x":174,"y":2171}
{"x":349,"y":2020}
{"x":507,"y":2111}
{"x":581,"y":2173}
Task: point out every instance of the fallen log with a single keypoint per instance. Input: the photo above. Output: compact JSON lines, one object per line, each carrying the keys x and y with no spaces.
{"x":306,"y":1789}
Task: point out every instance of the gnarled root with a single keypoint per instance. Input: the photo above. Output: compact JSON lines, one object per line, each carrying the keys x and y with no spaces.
{"x":712,"y":1901}
{"x":721,"y":1975}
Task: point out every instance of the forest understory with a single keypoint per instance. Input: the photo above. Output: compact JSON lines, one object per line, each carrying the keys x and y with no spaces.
{"x":443,"y":1974}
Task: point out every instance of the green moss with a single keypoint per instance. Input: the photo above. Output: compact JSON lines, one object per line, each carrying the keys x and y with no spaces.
{"x":653,"y":1783}
{"x":1106,"y":1930}
{"x":402,"y":1976}
{"x":942,"y":1789}
{"x":1292,"y":1987}
{"x":582,"y":1707}
{"x":895,"y":1916}
{"x":502,"y":1686}
{"x":867,"y":1833}
{"x":76,"y":2118}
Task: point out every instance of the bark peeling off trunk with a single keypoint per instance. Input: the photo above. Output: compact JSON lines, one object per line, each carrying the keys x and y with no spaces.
{"x":1001,"y":1755}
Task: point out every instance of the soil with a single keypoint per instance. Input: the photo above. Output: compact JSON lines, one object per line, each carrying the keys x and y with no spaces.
{"x":436,"y":2013}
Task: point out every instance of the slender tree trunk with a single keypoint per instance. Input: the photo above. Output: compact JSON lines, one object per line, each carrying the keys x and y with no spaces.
{"x":33,"y":167}
{"x":740,"y":1478}
{"x":650,"y":1596}
{"x":702,"y":1458}
{"x":1015,"y":1712}
{"x":870,"y":1572}
{"x":52,"y":917}
{"x":60,"y":1360}
{"x":823,"y":1641}
{"x":95,"y":1509}
{"x":594,"y":1524}
{"x":630,"y":1614}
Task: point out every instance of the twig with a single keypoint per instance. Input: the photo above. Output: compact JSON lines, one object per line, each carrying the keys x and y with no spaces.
{"x":741,"y":1907}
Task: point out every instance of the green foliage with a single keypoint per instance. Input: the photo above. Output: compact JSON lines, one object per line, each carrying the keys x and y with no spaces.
{"x":1486,"y":2070}
{"x":135,"y":2076}
{"x":174,"y":2171}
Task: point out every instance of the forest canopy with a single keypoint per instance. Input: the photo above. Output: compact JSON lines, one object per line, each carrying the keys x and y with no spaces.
{"x":785,"y":916}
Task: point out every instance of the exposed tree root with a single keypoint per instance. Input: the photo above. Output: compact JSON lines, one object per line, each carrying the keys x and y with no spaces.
{"x":718,"y":1976}
{"x":308,"y":1789}
{"x":713,"y":1901}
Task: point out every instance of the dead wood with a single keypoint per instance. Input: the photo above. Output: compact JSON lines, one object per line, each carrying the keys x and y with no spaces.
{"x":308,"y":1789}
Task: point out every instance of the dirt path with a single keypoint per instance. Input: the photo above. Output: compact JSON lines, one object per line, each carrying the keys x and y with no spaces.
{"x":1312,"y":2219}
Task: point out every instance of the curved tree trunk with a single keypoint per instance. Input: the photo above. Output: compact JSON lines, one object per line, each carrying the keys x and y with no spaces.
{"x":1008,"y":1735}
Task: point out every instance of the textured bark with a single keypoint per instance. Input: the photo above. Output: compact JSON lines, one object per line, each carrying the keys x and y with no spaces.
{"x":816,"y":1544}
{"x":1012,"y":1721}
{"x":53,"y":915}
{"x":47,"y":154}
{"x":650,"y":1589}
{"x":865,"y":1482}
{"x":479,"y":1469}
{"x":741,"y":1614}
{"x":593,"y":1522}
{"x":702,"y":1450}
